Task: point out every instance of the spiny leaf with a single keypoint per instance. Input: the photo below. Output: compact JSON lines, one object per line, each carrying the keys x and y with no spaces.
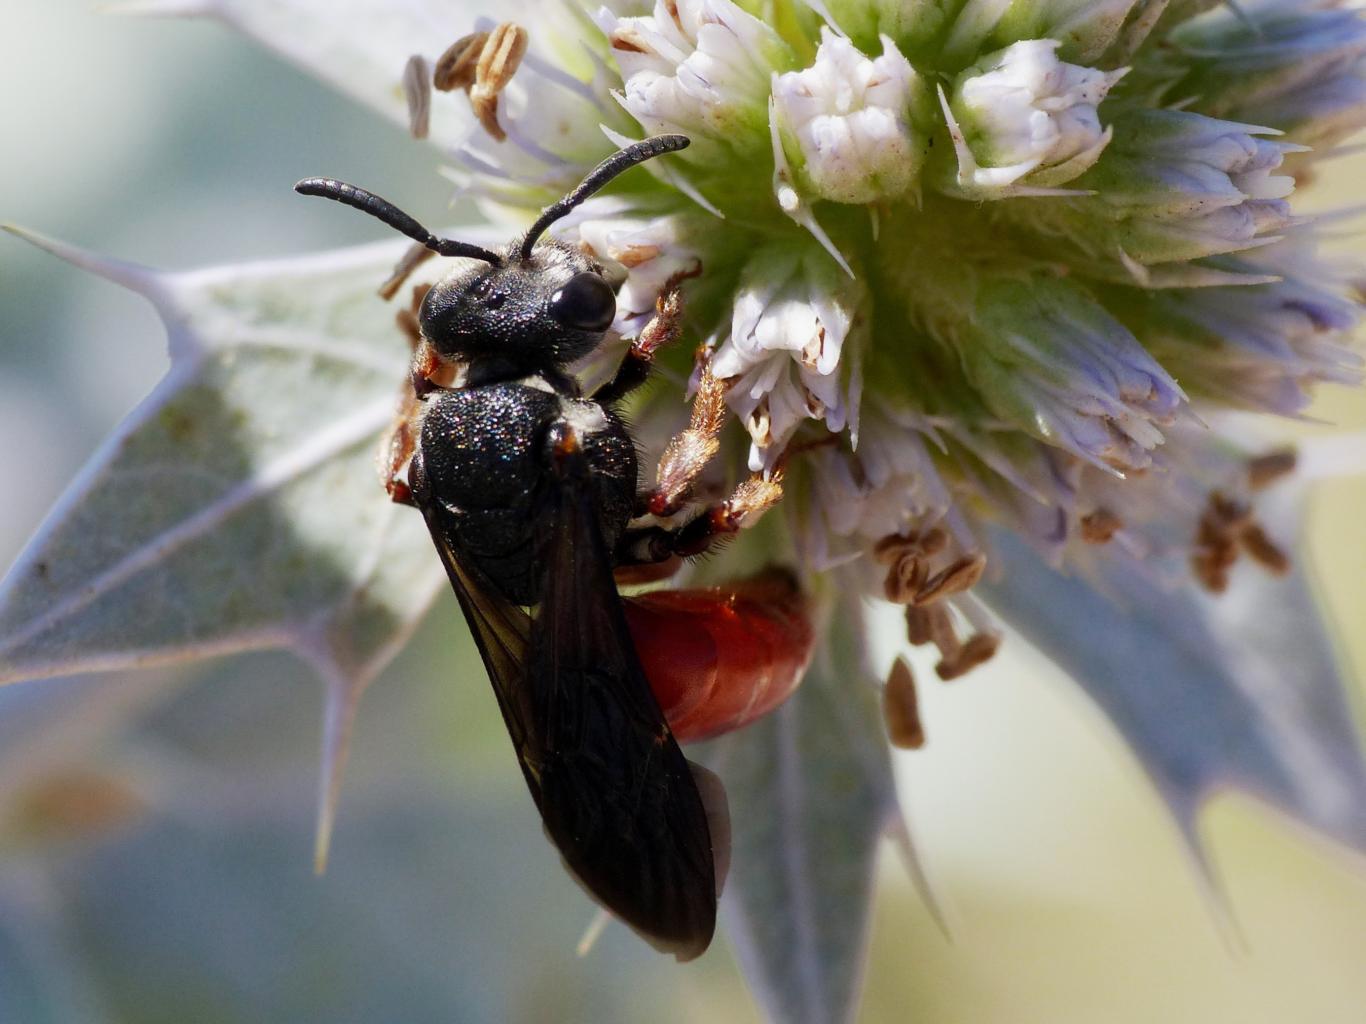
{"x":238,"y":506}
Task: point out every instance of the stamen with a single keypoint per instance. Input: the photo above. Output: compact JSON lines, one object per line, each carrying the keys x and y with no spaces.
{"x":905,"y":578}
{"x":1099,"y":526}
{"x":1265,"y":470}
{"x":919,"y":625}
{"x":498,"y":62}
{"x":417,"y":90}
{"x":942,"y":633}
{"x":1228,"y":525}
{"x":455,"y":68}
{"x":979,"y":649}
{"x":1263,"y":551}
{"x":483,"y":64}
{"x":415,"y":255}
{"x":960,"y":576}
{"x":901,"y":708}
{"x":890,"y":548}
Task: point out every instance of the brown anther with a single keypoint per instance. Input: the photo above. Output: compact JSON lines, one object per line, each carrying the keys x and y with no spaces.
{"x":960,"y":576}
{"x":620,"y":42}
{"x":1264,"y":551}
{"x":635,"y":255}
{"x":901,"y":708}
{"x":1099,"y":526}
{"x":919,"y":625}
{"x":890,"y":548}
{"x":455,"y":68}
{"x":978,"y":649}
{"x":498,"y":62}
{"x":413,"y":257}
{"x":1265,"y":470}
{"x":1230,"y":514}
{"x":934,"y":541}
{"x":1209,"y":532}
{"x":1213,"y":577}
{"x":417,"y":90}
{"x":942,"y":634}
{"x":905,"y":576}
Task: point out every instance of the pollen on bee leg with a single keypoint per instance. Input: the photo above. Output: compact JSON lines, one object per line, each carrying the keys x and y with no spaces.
{"x":417,"y":90}
{"x":748,"y":502}
{"x":688,"y":453}
{"x":901,"y":708}
{"x":413,"y":257}
{"x":666,"y":326}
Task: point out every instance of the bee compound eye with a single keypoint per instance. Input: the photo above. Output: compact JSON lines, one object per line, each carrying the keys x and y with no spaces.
{"x":585,"y":302}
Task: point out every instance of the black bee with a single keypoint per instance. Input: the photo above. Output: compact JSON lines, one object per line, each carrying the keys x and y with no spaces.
{"x":528,"y":488}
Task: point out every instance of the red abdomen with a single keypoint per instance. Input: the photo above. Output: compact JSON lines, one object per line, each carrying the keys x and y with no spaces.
{"x":718,"y":658}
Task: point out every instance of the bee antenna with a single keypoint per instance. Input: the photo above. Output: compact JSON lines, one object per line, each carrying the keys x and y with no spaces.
{"x":621,"y":160}
{"x":375,"y":206}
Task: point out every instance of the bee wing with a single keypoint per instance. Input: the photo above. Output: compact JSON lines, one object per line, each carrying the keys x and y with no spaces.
{"x":616,"y":795}
{"x":501,"y":631}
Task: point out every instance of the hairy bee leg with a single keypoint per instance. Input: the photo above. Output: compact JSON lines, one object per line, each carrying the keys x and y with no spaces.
{"x":689,"y":452}
{"x":664,"y":328}
{"x":401,"y":440}
{"x":648,"y":545}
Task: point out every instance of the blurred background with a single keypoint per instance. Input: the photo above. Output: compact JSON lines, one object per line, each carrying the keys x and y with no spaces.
{"x":155,"y":829}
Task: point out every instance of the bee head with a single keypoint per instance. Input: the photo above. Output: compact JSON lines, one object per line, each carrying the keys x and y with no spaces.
{"x":549,"y":307}
{"x":539,"y":303}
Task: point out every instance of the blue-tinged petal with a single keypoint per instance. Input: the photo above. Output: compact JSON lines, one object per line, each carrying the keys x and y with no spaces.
{"x":811,"y":794}
{"x":1212,"y":693}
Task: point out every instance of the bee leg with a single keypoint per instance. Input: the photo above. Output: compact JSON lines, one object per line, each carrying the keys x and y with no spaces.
{"x":689,"y":452}
{"x":401,"y":441}
{"x":664,"y":328}
{"x":649,"y":545}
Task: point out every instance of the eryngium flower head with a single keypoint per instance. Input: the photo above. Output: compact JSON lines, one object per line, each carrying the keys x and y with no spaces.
{"x":1025,"y":356}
